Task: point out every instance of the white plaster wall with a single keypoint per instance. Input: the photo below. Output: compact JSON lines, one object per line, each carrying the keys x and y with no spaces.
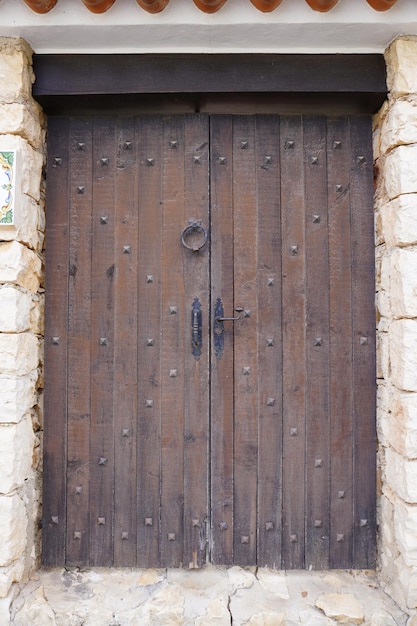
{"x":352,"y":26}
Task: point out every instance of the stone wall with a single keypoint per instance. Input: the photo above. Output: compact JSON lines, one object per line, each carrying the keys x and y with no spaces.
{"x":21,"y":319}
{"x":396,"y":253}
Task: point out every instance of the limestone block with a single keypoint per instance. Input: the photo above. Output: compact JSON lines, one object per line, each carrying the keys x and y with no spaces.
{"x":19,"y":265}
{"x":15,"y":310}
{"x":402,"y":66}
{"x":400,"y":429}
{"x":36,"y":610}
{"x":383,"y":356}
{"x":16,"y":450}
{"x":343,"y":607}
{"x":272,"y":581}
{"x":399,"y":221}
{"x":403,"y":353}
{"x":383,"y":304}
{"x":16,"y":75}
{"x":217,"y":613}
{"x":17,"y":397}
{"x":400,"y":125}
{"x":267,"y":618}
{"x":20,"y":119}
{"x":9,"y":575}
{"x":165,"y":608}
{"x":37,"y":314}
{"x":19,"y":353}
{"x":404,"y":588}
{"x":401,"y":475}
{"x":240,"y":578}
{"x":403,"y":294}
{"x":400,"y":171}
{"x":31,"y":162}
{"x":13,"y":527}
{"x":405,"y":516}
{"x":28,"y":226}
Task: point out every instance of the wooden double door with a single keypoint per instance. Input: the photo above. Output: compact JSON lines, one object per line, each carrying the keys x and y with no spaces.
{"x":175,"y":436}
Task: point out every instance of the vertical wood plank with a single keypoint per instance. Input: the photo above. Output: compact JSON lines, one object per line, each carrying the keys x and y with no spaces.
{"x":246,"y":342}
{"x":269,"y":342}
{"x":340,"y":263}
{"x":149,"y":199}
{"x":364,"y":349}
{"x":293,"y":341}
{"x":79,"y":337}
{"x":102,"y":344}
{"x":125,"y":344}
{"x":196,"y":375}
{"x":54,"y":437}
{"x":174,"y":316}
{"x":317,"y":345}
{"x":222,"y":397}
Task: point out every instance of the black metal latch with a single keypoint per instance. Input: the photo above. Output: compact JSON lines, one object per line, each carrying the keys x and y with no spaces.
{"x":218,"y":326}
{"x":196,"y":329}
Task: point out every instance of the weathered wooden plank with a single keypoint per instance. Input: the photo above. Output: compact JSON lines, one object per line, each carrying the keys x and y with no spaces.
{"x":222,"y":400}
{"x":149,"y":201}
{"x":340,"y":263}
{"x":245,"y":342}
{"x":269,"y":342}
{"x":125,"y":344}
{"x":293,"y":341}
{"x":54,"y":437}
{"x":197,"y":367}
{"x":317,"y":345}
{"x":364,"y":349}
{"x":102,"y":344}
{"x":79,"y":337}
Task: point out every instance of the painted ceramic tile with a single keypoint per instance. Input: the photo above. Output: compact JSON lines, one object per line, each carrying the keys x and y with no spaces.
{"x":7,"y":186}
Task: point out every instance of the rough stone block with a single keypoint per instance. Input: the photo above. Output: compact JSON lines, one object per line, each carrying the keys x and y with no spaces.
{"x":403,"y":292}
{"x":407,"y":583}
{"x":16,"y":451}
{"x":19,"y":265}
{"x":402,"y":66}
{"x":9,"y":575}
{"x":28,"y":226}
{"x":400,"y":429}
{"x":401,"y":475}
{"x":19,"y":353}
{"x":406,"y":531}
{"x":17,"y":397}
{"x":399,"y":221}
{"x":23,"y":120}
{"x":400,"y":171}
{"x":400,"y":125}
{"x":15,"y":310}
{"x":403,"y":353}
{"x":343,"y":607}
{"x":13,"y":529}
{"x":16,"y":75}
{"x":382,"y":356}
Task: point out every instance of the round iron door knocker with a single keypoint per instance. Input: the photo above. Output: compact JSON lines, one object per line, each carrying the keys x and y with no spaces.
{"x":188,"y":239}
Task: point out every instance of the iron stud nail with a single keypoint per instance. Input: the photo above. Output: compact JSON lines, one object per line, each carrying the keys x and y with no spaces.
{"x":318,"y":463}
{"x":173,"y":144}
{"x":173,"y":310}
{"x":128,"y":145}
{"x":293,"y":432}
{"x":246,"y":312}
{"x":222,"y":160}
{"x":271,"y":282}
{"x":270,"y":402}
{"x":80,"y":190}
{"x":318,"y":523}
{"x":171,"y":536}
{"x":223,"y":526}
{"x":339,"y":188}
{"x":150,"y":341}
{"x":316,"y":219}
{"x":270,"y":341}
{"x":103,"y":341}
{"x":149,"y":404}
{"x":126,"y":249}
{"x":340,"y":537}
{"x":318,"y":341}
{"x":244,"y":145}
{"x":173,"y":373}
{"x":150,"y":162}
{"x":360,"y":160}
{"x":102,"y":460}
{"x":314,"y":160}
{"x":77,"y":534}
{"x":56,"y":341}
{"x":289,"y":144}
{"x":81,"y":146}
{"x":197,"y":160}
{"x":337,"y":144}
{"x":149,"y":278}
{"x":148,"y":521}
{"x":54,"y":519}
{"x":293,"y":538}
{"x":268,"y":160}
{"x":125,"y":536}
{"x":57,"y":162}
{"x":101,"y":521}
{"x":246,"y":371}
{"x":103,"y":219}
{"x":104,"y":161}
{"x":293,"y":250}
{"x":78,"y":489}
{"x":125,"y":432}
{"x":340,"y":495}
{"x":363,"y":341}
{"x":244,"y":539}
{"x":363,"y":523}
{"x":196,"y":523}
{"x":269,"y":526}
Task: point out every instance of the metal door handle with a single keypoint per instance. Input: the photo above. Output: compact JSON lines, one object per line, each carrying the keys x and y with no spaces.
{"x":196,"y":329}
{"x":218,"y":326}
{"x":238,"y":309}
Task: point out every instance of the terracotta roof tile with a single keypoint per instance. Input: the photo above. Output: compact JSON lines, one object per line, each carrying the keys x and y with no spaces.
{"x":207,"y":6}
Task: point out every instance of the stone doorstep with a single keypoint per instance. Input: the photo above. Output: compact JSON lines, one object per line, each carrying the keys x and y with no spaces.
{"x":212,"y":596}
